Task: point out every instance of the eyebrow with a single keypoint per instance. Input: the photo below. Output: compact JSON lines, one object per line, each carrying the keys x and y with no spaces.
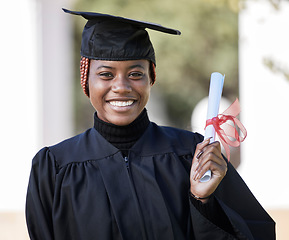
{"x":130,"y":67}
{"x":136,"y":66}
{"x":103,"y":66}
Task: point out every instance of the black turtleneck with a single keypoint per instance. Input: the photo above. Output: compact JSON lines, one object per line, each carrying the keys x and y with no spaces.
{"x":122,"y":137}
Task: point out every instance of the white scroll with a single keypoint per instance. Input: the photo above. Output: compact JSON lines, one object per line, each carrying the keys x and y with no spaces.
{"x":215,"y":94}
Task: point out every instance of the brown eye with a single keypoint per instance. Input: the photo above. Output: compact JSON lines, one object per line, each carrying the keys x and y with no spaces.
{"x":106,"y":75}
{"x":136,"y":75}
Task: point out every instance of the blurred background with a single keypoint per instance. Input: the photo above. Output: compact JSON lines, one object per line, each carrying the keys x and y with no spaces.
{"x":42,"y":102}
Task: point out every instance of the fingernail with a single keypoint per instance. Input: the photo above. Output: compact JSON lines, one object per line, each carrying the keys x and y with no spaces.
{"x":199,"y":154}
{"x":208,"y":139}
{"x":196,"y":176}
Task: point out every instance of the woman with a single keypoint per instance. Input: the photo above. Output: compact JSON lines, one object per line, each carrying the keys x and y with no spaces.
{"x":127,"y":178}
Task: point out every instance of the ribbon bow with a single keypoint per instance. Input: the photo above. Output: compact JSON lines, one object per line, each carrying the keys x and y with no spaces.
{"x":225,"y":130}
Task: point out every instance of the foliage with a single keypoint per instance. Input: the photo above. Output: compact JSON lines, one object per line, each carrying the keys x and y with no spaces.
{"x":209,"y":43}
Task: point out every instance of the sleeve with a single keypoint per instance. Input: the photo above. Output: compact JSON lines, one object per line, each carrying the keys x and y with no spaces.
{"x":240,"y":205}
{"x":234,"y":213}
{"x":214,"y":213}
{"x":211,"y":222}
{"x":39,"y":199}
{"x":236,"y":205}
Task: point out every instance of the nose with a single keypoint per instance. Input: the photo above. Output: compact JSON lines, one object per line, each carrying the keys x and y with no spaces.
{"x":121,"y":84}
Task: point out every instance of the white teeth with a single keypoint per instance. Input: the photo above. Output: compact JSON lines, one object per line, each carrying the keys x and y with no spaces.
{"x":121,"y":103}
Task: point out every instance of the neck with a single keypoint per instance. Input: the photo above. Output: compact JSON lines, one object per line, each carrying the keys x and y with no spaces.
{"x":123,"y":137}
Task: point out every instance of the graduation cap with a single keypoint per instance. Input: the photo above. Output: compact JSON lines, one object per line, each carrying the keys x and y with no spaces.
{"x":114,"y":38}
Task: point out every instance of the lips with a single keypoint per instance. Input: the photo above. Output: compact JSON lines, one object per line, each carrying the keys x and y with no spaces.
{"x":121,"y":103}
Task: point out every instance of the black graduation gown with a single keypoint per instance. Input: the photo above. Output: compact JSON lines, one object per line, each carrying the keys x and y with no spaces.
{"x":83,"y":188}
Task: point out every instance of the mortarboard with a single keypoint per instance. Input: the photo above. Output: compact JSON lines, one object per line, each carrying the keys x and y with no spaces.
{"x":114,"y":38}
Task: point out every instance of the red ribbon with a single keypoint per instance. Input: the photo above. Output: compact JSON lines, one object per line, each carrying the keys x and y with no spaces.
{"x":225,"y":130}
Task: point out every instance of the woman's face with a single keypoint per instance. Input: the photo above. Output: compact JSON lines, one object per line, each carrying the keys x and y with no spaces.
{"x":119,"y":90}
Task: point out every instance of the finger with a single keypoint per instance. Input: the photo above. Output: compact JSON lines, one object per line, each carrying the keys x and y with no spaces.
{"x":202,"y":144}
{"x":206,"y":158}
{"x":199,"y":149}
{"x":217,"y":144}
{"x":203,"y":165}
{"x":198,"y":153}
{"x":210,"y":156}
{"x":213,"y":147}
{"x":209,"y":151}
{"x":201,"y":171}
{"x":218,"y":170}
{"x":199,"y":165}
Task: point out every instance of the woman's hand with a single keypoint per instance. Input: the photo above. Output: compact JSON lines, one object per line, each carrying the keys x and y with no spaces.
{"x":207,"y":156}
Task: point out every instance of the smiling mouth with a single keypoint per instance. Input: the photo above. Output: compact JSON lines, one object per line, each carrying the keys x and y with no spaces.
{"x":121,"y":103}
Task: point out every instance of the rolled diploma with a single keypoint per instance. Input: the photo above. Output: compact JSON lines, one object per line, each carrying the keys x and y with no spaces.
{"x":215,"y":94}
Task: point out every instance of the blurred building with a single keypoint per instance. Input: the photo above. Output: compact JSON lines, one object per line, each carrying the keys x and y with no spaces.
{"x":264,"y":95}
{"x":35,"y":98}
